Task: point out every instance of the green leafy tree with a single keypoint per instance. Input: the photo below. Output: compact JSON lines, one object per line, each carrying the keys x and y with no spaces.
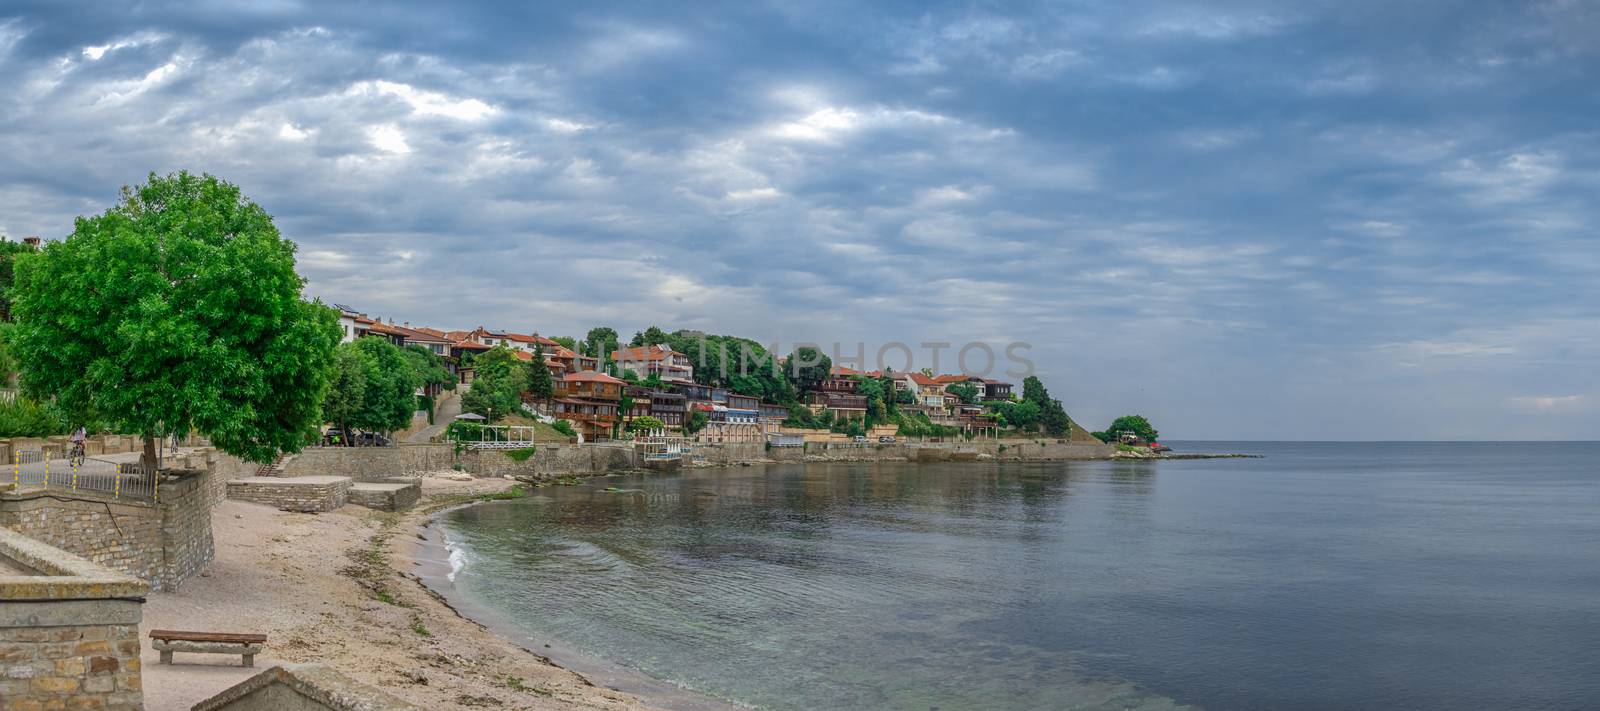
{"x":8,"y":364}
{"x":567,"y":342}
{"x":624,"y":406}
{"x":540,"y":384}
{"x":876,"y":391}
{"x":1137,"y":424}
{"x":966,"y":391}
{"x":648,"y":337}
{"x":695,"y":422}
{"x":1052,"y":416}
{"x":601,"y":340}
{"x":8,"y":257}
{"x":564,"y":427}
{"x":429,"y":368}
{"x":646,"y":424}
{"x":389,"y":386}
{"x":808,"y":367}
{"x":1024,"y":415}
{"x":1033,"y":391}
{"x":739,"y":364}
{"x":347,"y":386}
{"x":177,"y":310}
{"x":497,"y":384}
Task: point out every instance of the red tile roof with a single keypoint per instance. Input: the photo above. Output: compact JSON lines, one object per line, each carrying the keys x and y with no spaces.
{"x":921,"y":379}
{"x":590,"y":376}
{"x":655,"y":352}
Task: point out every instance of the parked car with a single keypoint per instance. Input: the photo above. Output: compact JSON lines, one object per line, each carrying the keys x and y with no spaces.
{"x":336,"y":437}
{"x":861,"y":438}
{"x":886,"y":439}
{"x":372,"y":439}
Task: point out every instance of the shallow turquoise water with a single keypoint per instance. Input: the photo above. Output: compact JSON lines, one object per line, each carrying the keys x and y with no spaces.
{"x":1324,"y":576}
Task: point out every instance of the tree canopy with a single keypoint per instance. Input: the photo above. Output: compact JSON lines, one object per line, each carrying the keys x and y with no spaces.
{"x":389,"y":386}
{"x":429,"y":367}
{"x":177,"y":309}
{"x":347,"y":386}
{"x":808,"y":367}
{"x":497,"y":384}
{"x":1052,"y":416}
{"x":540,"y":384}
{"x":8,"y":257}
{"x":1137,"y":424}
{"x":648,"y":337}
{"x":645,"y":423}
{"x":966,"y":391}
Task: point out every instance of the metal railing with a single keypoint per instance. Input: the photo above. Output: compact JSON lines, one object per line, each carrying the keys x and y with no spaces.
{"x":53,"y":470}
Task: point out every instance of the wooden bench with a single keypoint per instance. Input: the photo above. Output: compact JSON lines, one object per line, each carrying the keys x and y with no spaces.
{"x":168,"y":641}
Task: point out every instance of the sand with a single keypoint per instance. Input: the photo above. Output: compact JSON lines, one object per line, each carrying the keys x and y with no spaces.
{"x":321,"y":591}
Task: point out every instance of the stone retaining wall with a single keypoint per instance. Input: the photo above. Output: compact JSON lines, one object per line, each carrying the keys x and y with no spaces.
{"x":391,"y":496}
{"x":69,"y":631}
{"x":162,"y":542}
{"x":306,"y":493}
{"x":371,"y":463}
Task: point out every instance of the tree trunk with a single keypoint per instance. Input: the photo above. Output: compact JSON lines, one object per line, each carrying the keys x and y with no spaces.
{"x":148,"y":459}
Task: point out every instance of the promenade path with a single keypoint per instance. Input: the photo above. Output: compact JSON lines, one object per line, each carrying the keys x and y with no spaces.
{"x":449,"y":407}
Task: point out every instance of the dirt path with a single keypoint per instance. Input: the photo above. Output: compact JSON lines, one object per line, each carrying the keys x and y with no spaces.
{"x":321,"y":587}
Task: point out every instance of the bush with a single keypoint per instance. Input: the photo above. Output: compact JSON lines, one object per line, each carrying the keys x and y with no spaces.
{"x":425,"y":403}
{"x":564,"y":427}
{"x":24,"y":417}
{"x":521,"y":455}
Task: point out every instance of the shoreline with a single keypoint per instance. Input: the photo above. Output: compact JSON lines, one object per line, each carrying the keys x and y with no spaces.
{"x":424,"y":561}
{"x":428,"y":554}
{"x":338,"y":588}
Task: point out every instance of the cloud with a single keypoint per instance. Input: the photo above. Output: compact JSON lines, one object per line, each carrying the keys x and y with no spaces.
{"x":427,"y":103}
{"x":98,"y":52}
{"x":1343,"y":229}
{"x":1549,"y":403}
{"x":388,"y":138}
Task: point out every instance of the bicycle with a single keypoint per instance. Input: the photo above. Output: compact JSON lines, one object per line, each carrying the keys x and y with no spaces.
{"x":77,"y":456}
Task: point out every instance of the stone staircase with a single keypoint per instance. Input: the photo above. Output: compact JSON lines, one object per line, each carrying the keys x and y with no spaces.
{"x":273,"y":469}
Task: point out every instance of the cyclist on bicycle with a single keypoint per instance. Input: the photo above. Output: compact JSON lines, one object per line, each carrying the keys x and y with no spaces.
{"x":77,"y":439}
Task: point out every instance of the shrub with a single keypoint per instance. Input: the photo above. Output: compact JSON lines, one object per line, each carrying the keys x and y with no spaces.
{"x":521,"y":455}
{"x":24,"y":417}
{"x":564,"y":427}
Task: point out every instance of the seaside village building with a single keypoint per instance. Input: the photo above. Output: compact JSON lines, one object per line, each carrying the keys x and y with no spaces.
{"x":589,"y":400}
{"x":592,"y":400}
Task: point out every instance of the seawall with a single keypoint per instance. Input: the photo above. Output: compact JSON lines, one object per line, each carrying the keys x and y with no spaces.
{"x":549,"y":461}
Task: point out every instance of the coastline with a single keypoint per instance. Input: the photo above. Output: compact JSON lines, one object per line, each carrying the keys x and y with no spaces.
{"x":337,"y":588}
{"x":427,"y":554}
{"x":367,"y":593}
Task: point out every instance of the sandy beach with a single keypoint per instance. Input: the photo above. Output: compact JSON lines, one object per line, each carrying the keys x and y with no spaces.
{"x":325,"y":588}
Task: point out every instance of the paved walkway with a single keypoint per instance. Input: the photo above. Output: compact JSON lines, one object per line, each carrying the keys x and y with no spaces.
{"x":449,"y":407}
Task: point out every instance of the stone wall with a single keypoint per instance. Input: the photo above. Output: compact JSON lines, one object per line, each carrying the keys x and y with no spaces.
{"x":91,"y":665}
{"x":379,"y":464}
{"x":162,"y":542}
{"x":551,"y":461}
{"x":69,"y":631}
{"x":306,"y":493}
{"x":1043,"y":449}
{"x":399,"y":495}
{"x":371,"y":463}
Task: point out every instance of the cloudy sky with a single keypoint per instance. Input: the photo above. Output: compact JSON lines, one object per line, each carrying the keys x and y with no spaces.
{"x":1324,"y":220}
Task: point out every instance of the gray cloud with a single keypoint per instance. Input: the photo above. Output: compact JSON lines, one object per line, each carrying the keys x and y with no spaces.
{"x":1239,"y":221}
